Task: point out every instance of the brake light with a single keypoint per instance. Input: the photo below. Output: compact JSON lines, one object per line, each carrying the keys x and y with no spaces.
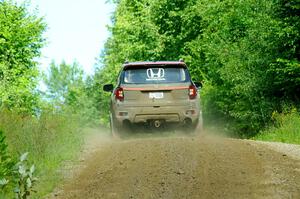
{"x":192,"y":92}
{"x":119,"y":93}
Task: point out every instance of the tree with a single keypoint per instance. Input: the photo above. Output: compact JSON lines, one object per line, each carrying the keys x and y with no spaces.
{"x":64,"y":83}
{"x":69,"y":92}
{"x":20,"y":43}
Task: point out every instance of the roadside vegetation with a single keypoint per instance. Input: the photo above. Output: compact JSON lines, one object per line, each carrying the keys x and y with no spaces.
{"x":285,"y":128}
{"x":49,"y":140}
{"x":45,"y":125}
{"x":246,"y":53}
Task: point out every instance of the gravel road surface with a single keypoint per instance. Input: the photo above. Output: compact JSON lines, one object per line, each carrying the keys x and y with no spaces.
{"x":181,"y":167}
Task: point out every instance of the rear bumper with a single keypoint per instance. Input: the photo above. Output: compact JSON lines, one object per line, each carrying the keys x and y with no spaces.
{"x":172,"y":114}
{"x":166,"y":117}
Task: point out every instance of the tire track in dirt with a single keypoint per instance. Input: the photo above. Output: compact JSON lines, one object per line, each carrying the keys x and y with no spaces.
{"x":185,"y":167}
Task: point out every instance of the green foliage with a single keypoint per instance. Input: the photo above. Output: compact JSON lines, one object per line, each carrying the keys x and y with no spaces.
{"x":20,"y":42}
{"x":237,"y":47}
{"x":6,"y":164}
{"x":246,"y":52}
{"x":286,"y":128}
{"x":16,"y":176}
{"x":50,"y":139}
{"x":284,"y":75}
{"x":25,"y":179}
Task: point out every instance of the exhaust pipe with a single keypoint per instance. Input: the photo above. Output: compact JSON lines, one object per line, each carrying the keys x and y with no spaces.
{"x":157,"y":123}
{"x":188,"y":122}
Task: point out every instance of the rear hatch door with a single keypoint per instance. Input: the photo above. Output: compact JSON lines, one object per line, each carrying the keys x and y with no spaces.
{"x":155,"y":86}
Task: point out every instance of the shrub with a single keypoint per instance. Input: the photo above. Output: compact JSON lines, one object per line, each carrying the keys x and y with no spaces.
{"x":286,"y":128}
{"x":6,"y":165}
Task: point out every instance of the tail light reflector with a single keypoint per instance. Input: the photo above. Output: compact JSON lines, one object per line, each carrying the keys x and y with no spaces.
{"x":192,"y":92}
{"x":119,"y":93}
{"x":190,"y":112}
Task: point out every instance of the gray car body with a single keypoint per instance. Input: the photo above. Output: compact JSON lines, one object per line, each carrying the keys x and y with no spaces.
{"x":155,"y":102}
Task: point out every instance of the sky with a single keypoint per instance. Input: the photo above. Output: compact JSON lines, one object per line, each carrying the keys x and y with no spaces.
{"x":76,"y":30}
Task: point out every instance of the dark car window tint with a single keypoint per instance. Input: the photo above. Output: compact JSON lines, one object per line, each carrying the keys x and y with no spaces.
{"x":155,"y":75}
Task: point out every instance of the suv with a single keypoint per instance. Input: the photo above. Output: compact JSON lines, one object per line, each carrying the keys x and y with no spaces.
{"x":154,"y":94}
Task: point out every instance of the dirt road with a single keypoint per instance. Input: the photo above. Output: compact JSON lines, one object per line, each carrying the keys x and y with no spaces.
{"x":185,"y":168}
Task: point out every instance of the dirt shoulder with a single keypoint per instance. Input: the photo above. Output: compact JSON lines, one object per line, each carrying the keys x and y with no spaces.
{"x":183,"y":167}
{"x":291,"y":150}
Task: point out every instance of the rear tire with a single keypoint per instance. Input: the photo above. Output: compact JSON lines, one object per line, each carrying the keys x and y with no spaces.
{"x":200,"y":123}
{"x":188,"y":126}
{"x":114,"y":130}
{"x":199,"y":127}
{"x":194,"y":128}
{"x":127,"y":127}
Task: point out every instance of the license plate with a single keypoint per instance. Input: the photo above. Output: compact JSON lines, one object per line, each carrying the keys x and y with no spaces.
{"x":156,"y":95}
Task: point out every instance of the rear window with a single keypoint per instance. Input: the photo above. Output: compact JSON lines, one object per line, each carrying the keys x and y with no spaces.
{"x":155,"y":75}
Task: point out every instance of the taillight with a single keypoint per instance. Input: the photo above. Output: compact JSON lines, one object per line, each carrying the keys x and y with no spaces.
{"x":119,"y":94}
{"x":192,"y":92}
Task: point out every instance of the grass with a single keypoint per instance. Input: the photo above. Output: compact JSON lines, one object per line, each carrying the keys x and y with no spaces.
{"x":50,"y":140}
{"x":286,"y":129}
